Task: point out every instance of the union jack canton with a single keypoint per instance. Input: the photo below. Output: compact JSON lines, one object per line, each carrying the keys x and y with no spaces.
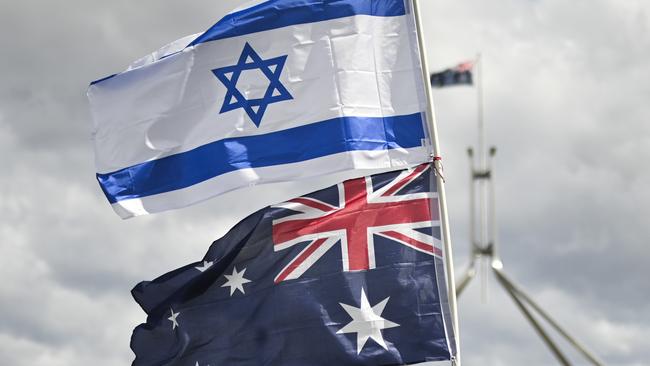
{"x":362,"y":212}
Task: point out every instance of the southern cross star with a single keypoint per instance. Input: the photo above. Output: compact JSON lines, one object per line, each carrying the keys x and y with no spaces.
{"x":235,"y":98}
{"x":236,"y":281}
{"x":173,"y":318}
{"x":367,"y":322}
{"x":206,"y":265}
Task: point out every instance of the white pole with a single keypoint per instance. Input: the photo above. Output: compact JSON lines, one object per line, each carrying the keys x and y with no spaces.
{"x":481,"y":125}
{"x":574,"y":342}
{"x":444,"y":220}
{"x":482,"y":159}
{"x":472,"y":204}
{"x":482,"y":184}
{"x":507,"y":286}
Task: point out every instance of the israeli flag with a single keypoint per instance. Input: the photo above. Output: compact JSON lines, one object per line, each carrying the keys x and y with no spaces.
{"x":279,"y":91}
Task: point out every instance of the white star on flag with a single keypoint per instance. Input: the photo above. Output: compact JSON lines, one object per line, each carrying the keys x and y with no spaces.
{"x":236,"y":281}
{"x":206,"y":265}
{"x":173,"y":318}
{"x":367,"y":322}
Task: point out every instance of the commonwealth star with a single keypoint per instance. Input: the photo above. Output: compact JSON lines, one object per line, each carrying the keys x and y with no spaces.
{"x":367,"y":322}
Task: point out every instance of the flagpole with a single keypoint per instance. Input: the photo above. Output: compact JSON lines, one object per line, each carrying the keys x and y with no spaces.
{"x":444,"y":220}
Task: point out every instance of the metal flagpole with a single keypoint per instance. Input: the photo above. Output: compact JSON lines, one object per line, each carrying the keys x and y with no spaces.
{"x":481,"y":152}
{"x":470,"y":272}
{"x":483,"y":239}
{"x":481,"y":124}
{"x":531,"y":319}
{"x":472,"y":205}
{"x":521,"y":294}
{"x":444,"y":220}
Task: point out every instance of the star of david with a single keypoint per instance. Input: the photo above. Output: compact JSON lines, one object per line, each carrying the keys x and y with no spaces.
{"x":250,"y":60}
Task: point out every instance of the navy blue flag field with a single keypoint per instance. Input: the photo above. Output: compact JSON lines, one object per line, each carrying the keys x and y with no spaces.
{"x":461,"y":74}
{"x":349,"y":275}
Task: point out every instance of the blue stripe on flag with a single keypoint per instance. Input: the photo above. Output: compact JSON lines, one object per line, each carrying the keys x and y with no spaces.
{"x":282,"y":13}
{"x":282,"y":147}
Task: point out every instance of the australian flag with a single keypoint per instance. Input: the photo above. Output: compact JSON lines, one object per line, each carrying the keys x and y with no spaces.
{"x":461,"y":74}
{"x":349,"y":275}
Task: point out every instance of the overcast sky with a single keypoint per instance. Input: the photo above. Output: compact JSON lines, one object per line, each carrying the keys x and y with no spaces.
{"x":567,"y":88}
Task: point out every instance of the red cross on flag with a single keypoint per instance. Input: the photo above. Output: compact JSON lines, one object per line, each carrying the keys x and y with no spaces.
{"x":363,"y":212}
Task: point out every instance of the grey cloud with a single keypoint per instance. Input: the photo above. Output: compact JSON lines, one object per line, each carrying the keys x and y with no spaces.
{"x":566,"y":103}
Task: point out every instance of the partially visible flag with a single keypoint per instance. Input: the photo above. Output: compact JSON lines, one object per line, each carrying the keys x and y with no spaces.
{"x":349,"y":275}
{"x":279,"y":91}
{"x":461,"y":74}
